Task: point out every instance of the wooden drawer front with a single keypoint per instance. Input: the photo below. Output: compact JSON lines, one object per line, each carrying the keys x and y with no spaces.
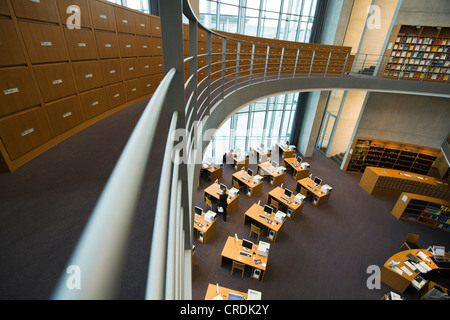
{"x":65,"y":114}
{"x":156,"y":26}
{"x":103,"y":16}
{"x":144,"y":46}
{"x":55,"y":81}
{"x":81,"y":44}
{"x":11,"y":52}
{"x":133,"y":89}
{"x":45,"y":43}
{"x":127,"y":45}
{"x":124,"y":20}
{"x":22,"y":133}
{"x":112,"y":71}
{"x":148,"y":85}
{"x":4,"y":8}
{"x":44,"y":10}
{"x":116,"y":95}
{"x":142,"y":24}
{"x":130,"y":67}
{"x":88,"y":75}
{"x":85,"y":18}
{"x":146,"y":66}
{"x":157,"y":47}
{"x":94,"y":102}
{"x":158,"y":64}
{"x":107,"y":44}
{"x":17,"y":90}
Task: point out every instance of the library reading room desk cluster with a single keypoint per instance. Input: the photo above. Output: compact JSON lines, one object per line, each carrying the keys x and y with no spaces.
{"x":265,"y":220}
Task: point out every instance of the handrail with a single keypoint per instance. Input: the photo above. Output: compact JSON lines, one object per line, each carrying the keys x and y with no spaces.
{"x":100,"y":253}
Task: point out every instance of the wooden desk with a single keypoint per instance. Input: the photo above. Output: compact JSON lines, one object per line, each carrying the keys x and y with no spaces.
{"x":391,"y":183}
{"x":262,"y":155}
{"x":293,"y":208}
{"x":252,"y":188}
{"x":397,"y":281}
{"x":231,"y":251}
{"x":214,"y":191}
{"x":266,"y":169}
{"x":203,"y":230}
{"x":297,"y":172}
{"x":306,"y":187}
{"x":285,"y":152}
{"x":240,"y":163}
{"x":211,"y":292}
{"x":255,"y":212}
{"x":212,"y":173}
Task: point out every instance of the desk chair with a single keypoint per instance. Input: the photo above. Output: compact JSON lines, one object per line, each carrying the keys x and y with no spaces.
{"x":274,"y":203}
{"x":237,"y":185}
{"x":411,"y":241}
{"x":209,"y":204}
{"x":256,"y":230}
{"x":433,"y":291}
{"x":239,"y":266}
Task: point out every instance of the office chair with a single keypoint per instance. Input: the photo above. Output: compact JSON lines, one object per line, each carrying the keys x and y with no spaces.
{"x":433,"y":291}
{"x":274,"y":203}
{"x":209,"y":203}
{"x":239,"y":266}
{"x":411,"y":241}
{"x":237,"y":185}
{"x":256,"y":230}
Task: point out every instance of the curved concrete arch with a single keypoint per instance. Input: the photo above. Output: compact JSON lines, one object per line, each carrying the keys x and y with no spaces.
{"x":251,"y":93}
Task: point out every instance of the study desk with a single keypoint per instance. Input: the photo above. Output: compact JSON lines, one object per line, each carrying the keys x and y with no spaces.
{"x":214,"y":191}
{"x":252,"y":188}
{"x":297,"y":172}
{"x":256,"y":213}
{"x":240,"y":163}
{"x":262,"y":155}
{"x":211,"y":172}
{"x":232,"y":250}
{"x":306,"y":187}
{"x":391,"y":183}
{"x":397,"y":278}
{"x":285,"y":152}
{"x":203,"y":230}
{"x":211,"y":292}
{"x":266,"y":169}
{"x":293,"y":208}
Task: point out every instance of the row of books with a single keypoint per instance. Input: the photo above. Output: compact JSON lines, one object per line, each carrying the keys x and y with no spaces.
{"x":419,"y":62}
{"x":399,"y":67}
{"x":417,"y":75}
{"x":425,"y":48}
{"x":421,"y":40}
{"x":419,"y":55}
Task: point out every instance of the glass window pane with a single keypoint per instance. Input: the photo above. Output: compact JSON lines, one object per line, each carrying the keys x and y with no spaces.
{"x":253,"y":4}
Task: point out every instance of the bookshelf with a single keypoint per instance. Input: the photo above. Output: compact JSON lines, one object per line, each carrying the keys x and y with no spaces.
{"x":390,"y":155}
{"x":418,"y":53}
{"x":422,"y":209}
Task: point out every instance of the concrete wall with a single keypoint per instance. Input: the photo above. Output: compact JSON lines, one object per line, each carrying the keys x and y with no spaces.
{"x":424,"y":13}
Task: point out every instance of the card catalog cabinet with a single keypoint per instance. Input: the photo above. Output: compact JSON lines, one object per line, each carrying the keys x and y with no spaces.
{"x":133,"y":89}
{"x":102,"y":16}
{"x":148,"y":85}
{"x":23,"y":132}
{"x":156,"y":47}
{"x":65,"y":114}
{"x":81,"y":44}
{"x":44,"y":10}
{"x":107,"y":44}
{"x":4,"y":10}
{"x":88,"y":75}
{"x":111,"y":70}
{"x":156,"y":27}
{"x":124,"y":20}
{"x":145,"y":66}
{"x":130,"y":67}
{"x":17,"y":90}
{"x":116,"y":95}
{"x":63,"y":6}
{"x":158,"y":64}
{"x":94,"y":102}
{"x":142,"y":24}
{"x":45,"y":42}
{"x":11,"y":52}
{"x":143,"y":46}
{"x":127,"y":45}
{"x":55,"y":80}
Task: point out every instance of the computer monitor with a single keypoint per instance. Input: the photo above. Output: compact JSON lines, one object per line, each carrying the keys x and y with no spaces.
{"x":274,"y":164}
{"x":317,"y":181}
{"x":235,"y":296}
{"x":198,"y":211}
{"x":223,"y":187}
{"x":250,"y":172}
{"x":247,"y":245}
{"x":268,"y":209}
{"x":438,"y":251}
{"x":299,"y":159}
{"x":287,"y":193}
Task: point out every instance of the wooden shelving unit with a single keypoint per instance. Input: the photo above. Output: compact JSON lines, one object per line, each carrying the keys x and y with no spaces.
{"x":390,"y":155}
{"x":422,"y":209}
{"x":418,"y":53}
